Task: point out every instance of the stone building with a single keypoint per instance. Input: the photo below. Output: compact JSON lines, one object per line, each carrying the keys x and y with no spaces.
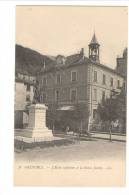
{"x":79,"y":79}
{"x":24,"y":92}
{"x":121,"y":67}
{"x":27,"y":63}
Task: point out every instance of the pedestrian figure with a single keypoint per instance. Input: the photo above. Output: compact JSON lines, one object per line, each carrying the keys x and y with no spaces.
{"x":116,"y":125}
{"x":89,"y":123}
{"x":110,"y":130}
{"x":79,"y":133}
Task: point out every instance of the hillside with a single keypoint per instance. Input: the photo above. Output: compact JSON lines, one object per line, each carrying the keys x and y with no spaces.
{"x":29,"y":61}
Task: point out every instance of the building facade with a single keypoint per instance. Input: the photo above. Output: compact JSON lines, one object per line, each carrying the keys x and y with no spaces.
{"x":121,"y":67}
{"x":79,"y":79}
{"x":69,"y":81}
{"x":24,"y":92}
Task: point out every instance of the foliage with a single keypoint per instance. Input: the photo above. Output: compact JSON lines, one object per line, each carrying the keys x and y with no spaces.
{"x":81,"y":111}
{"x":114,"y":107}
{"x":64,"y":118}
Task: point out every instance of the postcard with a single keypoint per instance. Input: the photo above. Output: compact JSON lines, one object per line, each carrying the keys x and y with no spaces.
{"x":70,"y":96}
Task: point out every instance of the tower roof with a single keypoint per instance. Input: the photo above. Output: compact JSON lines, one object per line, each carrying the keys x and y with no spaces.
{"x":94,"y":40}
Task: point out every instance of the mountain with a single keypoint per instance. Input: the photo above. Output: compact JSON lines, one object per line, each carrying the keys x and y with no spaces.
{"x":28,"y":61}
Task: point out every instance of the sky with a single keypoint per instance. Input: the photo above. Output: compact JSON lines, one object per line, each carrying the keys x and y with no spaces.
{"x":53,"y":30}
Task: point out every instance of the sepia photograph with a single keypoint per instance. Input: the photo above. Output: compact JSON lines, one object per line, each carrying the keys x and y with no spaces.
{"x":70,"y":96}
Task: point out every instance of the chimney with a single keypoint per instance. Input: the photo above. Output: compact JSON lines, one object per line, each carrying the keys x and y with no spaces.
{"x":82,"y":52}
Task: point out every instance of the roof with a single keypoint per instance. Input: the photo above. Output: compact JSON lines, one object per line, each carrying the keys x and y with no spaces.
{"x":19,"y":80}
{"x":94,"y":40}
{"x":49,"y":63}
{"x":76,"y":60}
{"x":106,"y":68}
{"x":51,"y":57}
{"x":22,"y":71}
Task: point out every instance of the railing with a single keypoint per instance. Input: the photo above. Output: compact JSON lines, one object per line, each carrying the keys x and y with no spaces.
{"x":104,"y":128}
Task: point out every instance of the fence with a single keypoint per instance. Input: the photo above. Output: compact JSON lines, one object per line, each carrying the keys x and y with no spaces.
{"x":105,"y":128}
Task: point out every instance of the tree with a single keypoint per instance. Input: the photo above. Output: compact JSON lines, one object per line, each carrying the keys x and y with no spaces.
{"x":114,"y":108}
{"x":107,"y":110}
{"x":51,"y":115}
{"x":80,"y":116}
{"x":75,"y":118}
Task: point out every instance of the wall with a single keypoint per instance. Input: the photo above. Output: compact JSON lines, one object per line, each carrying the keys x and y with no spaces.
{"x":20,"y":103}
{"x":66,"y":84}
{"x":122,"y":66}
{"x":99,"y":86}
{"x":20,"y":95}
{"x":84,"y":85}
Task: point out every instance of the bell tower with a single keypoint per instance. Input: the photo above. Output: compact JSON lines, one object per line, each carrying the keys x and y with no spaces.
{"x":94,"y":49}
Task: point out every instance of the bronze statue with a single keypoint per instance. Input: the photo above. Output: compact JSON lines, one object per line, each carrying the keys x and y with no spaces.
{"x":36,"y":98}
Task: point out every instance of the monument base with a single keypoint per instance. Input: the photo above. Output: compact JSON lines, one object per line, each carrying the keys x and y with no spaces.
{"x":37,"y":133}
{"x":37,"y":122}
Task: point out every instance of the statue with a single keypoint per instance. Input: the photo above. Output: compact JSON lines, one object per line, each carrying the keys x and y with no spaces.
{"x":36,"y":98}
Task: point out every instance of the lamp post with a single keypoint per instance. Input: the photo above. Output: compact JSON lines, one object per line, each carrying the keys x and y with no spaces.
{"x":113,"y":97}
{"x":110,"y":131}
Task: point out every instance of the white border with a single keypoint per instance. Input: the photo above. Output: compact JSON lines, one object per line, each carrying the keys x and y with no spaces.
{"x":66,"y":2}
{"x":7,"y":63}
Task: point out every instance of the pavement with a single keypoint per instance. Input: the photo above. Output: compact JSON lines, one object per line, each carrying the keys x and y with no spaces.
{"x":94,"y":163}
{"x":33,"y":139}
{"x":114,"y":137}
{"x":78,"y":151}
{"x":71,"y":135}
{"x":97,"y":135}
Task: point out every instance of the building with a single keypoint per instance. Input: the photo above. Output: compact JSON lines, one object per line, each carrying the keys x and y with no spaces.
{"x":24,"y":92}
{"x":121,"y":67}
{"x":75,"y":79}
{"x":27,"y":63}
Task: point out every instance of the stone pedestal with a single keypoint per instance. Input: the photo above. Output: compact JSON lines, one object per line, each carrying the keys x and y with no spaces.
{"x":37,"y":122}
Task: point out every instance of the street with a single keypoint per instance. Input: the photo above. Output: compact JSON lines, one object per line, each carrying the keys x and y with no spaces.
{"x":79,"y":151}
{"x":84,"y":163}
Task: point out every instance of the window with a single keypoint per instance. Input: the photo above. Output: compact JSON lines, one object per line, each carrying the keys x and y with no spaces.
{"x":41,"y":98}
{"x":111,"y":82}
{"x":26,"y":77}
{"x":103,"y":95}
{"x":34,"y":81}
{"x":28,"y":87}
{"x":104,"y":79}
{"x":58,"y":79}
{"x":20,"y":76}
{"x":28,"y":98}
{"x":95,"y":76}
{"x":73,"y":95}
{"x":44,"y":81}
{"x":118,"y":83}
{"x":124,"y":85}
{"x":44,"y":97}
{"x":94,"y":113}
{"x":95,"y":94}
{"x":73,"y":76}
{"x":56,"y":95}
